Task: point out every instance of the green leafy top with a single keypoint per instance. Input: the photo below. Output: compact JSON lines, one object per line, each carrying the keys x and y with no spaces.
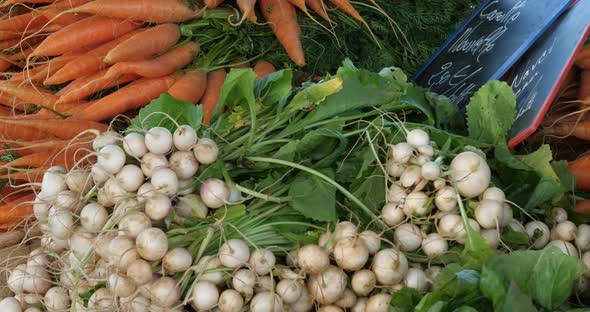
{"x":491,"y":112}
{"x":168,"y":112}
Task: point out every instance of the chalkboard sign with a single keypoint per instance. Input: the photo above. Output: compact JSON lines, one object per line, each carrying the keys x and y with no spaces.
{"x":486,"y":45}
{"x":538,"y":75}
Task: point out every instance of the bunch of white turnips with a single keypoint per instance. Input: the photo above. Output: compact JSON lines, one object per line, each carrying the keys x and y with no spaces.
{"x":116,"y":240}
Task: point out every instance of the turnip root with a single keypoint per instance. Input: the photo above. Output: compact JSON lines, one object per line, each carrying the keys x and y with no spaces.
{"x":266,"y":302}
{"x":396,"y":194}
{"x":330,"y":308}
{"x":134,"y":145}
{"x":408,"y":237}
{"x":363,"y":282}
{"x":79,"y":181}
{"x":345,"y":229}
{"x":52,"y":183}
{"x":61,"y":222}
{"x":401,"y":152}
{"x":348,"y":299}
{"x":289,"y":290}
{"x":230,"y":301}
{"x":134,"y":223}
{"x":165,"y":181}
{"x":305,"y":302}
{"x":262,"y":261}
{"x":151,"y":162}
{"x":121,"y":252}
{"x":392,"y":214}
{"x":206,"y":151}
{"x":16,"y":279}
{"x":234,"y":253}
{"x":351,"y":254}
{"x":158,"y":140}
{"x":130,"y":178}
{"x":360,"y":306}
{"x":164,"y":292}
{"x":177,"y":260}
{"x":101,"y":300}
{"x":390,"y":266}
{"x":184,"y":164}
{"x":566,"y":231}
{"x":184,"y":138}
{"x":328,"y":286}
{"x":264,"y":283}
{"x":36,"y":280}
{"x":111,"y":158}
{"x":586,"y":260}
{"x":209,"y":263}
{"x":415,"y":278}
{"x":214,"y":193}
{"x":140,"y":272}
{"x":446,"y":199}
{"x":539,"y":234}
{"x":104,"y":139}
{"x":312,"y":259}
{"x":10,"y":304}
{"x":394,"y":169}
{"x":412,"y":176}
{"x":416,"y":204}
{"x":434,"y":245}
{"x":566,"y":247}
{"x":371,"y":240}
{"x":378,"y":302}
{"x":494,"y":193}
{"x":158,"y":206}
{"x":152,"y":244}
{"x":430,"y":171}
{"x":492,"y":237}
{"x":243,"y":281}
{"x":488,"y":213}
{"x":471,"y":173}
{"x":417,"y":137}
{"x":583,"y":237}
{"x":121,"y":285}
{"x":93,"y":217}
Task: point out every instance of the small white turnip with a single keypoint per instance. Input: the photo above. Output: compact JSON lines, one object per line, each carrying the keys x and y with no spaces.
{"x":184,"y":164}
{"x":401,"y":152}
{"x":134,"y":145}
{"x":151,"y":162}
{"x":262,"y":261}
{"x":289,"y":290}
{"x":266,"y":302}
{"x":140,"y":272}
{"x":446,"y":199}
{"x":390,"y":266}
{"x":134,"y":223}
{"x":434,"y":245}
{"x":130,"y":177}
{"x":416,"y":204}
{"x":412,"y":176}
{"x":363,"y":282}
{"x":111,"y":158}
{"x":206,"y":151}
{"x":392,"y":214}
{"x":93,"y":217}
{"x":230,"y":301}
{"x":184,"y":138}
{"x":489,"y":213}
{"x":165,"y":181}
{"x":538,"y":233}
{"x":328,"y":286}
{"x":408,"y":237}
{"x":378,"y":303}
{"x":471,"y":173}
{"x":152,"y":244}
{"x":204,"y":296}
{"x":234,"y":253}
{"x":417,"y":137}
{"x":583,"y":237}
{"x":566,"y":231}
{"x":394,"y":169}
{"x":158,"y":140}
{"x":566,"y":247}
{"x":214,"y":193}
{"x":372,"y":240}
{"x":165,"y":292}
{"x":430,"y":171}
{"x":312,"y":259}
{"x":416,"y":279}
{"x":345,"y":229}
{"x":177,"y":260}
{"x":158,"y":206}
{"x":351,"y":254}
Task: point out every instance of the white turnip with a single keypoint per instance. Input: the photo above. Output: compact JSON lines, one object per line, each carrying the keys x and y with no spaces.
{"x":408,"y":237}
{"x":390,"y":266}
{"x":363,"y":282}
{"x":489,"y":213}
{"x":351,"y":254}
{"x":230,"y":301}
{"x":214,"y":193}
{"x":165,"y":181}
{"x":434,"y":245}
{"x":204,"y":296}
{"x":392,"y":214}
{"x":134,"y":223}
{"x":313,"y":259}
{"x":134,"y":145}
{"x":471,"y":173}
{"x":79,"y":181}
{"x":372,"y":240}
{"x":566,"y":247}
{"x":93,"y":217}
{"x":394,"y":169}
{"x":158,"y":206}
{"x":328,"y":286}
{"x":206,"y":151}
{"x":401,"y":152}
{"x":152,"y":244}
{"x":130,"y":177}
{"x":416,"y":203}
{"x":430,"y":171}
{"x":165,"y":292}
{"x":151,"y":162}
{"x":446,"y":199}
{"x":289,"y":290}
{"x":262,"y":261}
{"x":583,"y":237}
{"x":120,"y":285}
{"x":538,"y":233}
{"x":184,"y":138}
{"x":208,"y":265}
{"x":348,"y":299}
{"x":412,"y":176}
{"x":492,"y":237}
{"x":140,"y":272}
{"x":234,"y":253}
{"x":417,"y":137}
{"x":378,"y":302}
{"x":158,"y":140}
{"x":111,"y":158}
{"x":10,"y":304}
{"x":177,"y":260}
{"x":345,"y":229}
{"x":266,"y":302}
{"x":415,"y":278}
{"x":396,"y":194}
{"x":566,"y":231}
{"x":184,"y":164}
{"x":243,"y":281}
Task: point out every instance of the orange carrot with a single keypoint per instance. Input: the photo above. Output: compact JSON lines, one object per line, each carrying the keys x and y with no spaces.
{"x":318,"y":7}
{"x":583,"y":207}
{"x":345,"y":6}
{"x":85,"y":86}
{"x":86,"y":32}
{"x":579,"y":130}
{"x":23,"y":22}
{"x":263,"y":68}
{"x":11,"y":2}
{"x":154,"y":11}
{"x":22,"y":133}
{"x":67,"y":4}
{"x":145,"y":44}
{"x":10,"y":43}
{"x":215,"y":80}
{"x":211,"y":4}
{"x":4,"y":65}
{"x":57,"y":16}
{"x":584,"y":91}
{"x":134,"y":95}
{"x":29,"y":148}
{"x":247,"y":9}
{"x":34,"y":175}
{"x":190,"y":87}
{"x":17,"y":210}
{"x":29,"y":93}
{"x":283,"y":20}
{"x":163,"y":65}
{"x":60,"y":128}
{"x":41,"y":72}
{"x":580,"y":168}
{"x":88,"y":63}
{"x":5,"y":111}
{"x":13,"y":102}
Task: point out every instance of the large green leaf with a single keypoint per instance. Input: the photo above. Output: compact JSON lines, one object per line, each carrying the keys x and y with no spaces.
{"x":167,"y":111}
{"x":270,"y":89}
{"x":313,"y":197}
{"x":404,"y":300}
{"x":491,"y":112}
{"x":547,"y":275}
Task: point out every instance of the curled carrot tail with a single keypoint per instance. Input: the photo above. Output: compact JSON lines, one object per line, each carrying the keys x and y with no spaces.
{"x":247,"y":9}
{"x":190,"y":87}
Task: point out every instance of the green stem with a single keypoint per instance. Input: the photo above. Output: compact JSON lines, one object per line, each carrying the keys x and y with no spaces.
{"x":260,"y":195}
{"x":323,"y":177}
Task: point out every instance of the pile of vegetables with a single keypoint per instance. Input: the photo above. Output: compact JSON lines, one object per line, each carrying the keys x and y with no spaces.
{"x":313,"y":197}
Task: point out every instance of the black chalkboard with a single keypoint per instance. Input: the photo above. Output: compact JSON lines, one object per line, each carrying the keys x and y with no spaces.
{"x":537,"y":76}
{"x":486,"y":45}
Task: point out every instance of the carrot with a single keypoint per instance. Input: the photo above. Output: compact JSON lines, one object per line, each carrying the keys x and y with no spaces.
{"x":18,"y":43}
{"x":318,"y":7}
{"x":11,"y":2}
{"x":154,"y":11}
{"x":17,"y":210}
{"x":86,"y":32}
{"x":215,"y":80}
{"x":67,"y":4}
{"x":263,"y":68}
{"x":65,"y":157}
{"x":211,"y":4}
{"x":163,"y":65}
{"x":345,"y":6}
{"x":145,"y":44}
{"x":41,"y":72}
{"x":33,"y":147}
{"x":19,"y":55}
{"x":23,"y":22}
{"x":88,"y":63}
{"x":584,"y":91}
{"x":4,"y":65}
{"x":134,"y":95}
{"x":13,"y":102}
{"x":247,"y":9}
{"x":88,"y":85}
{"x":5,"y":111}
{"x":283,"y":20}
{"x":579,"y":130}
{"x":34,"y":175}
{"x":57,"y":16}
{"x":60,"y":128}
{"x":10,"y":43}
{"x":23,"y":133}
{"x":580,"y":168}
{"x":190,"y":87}
{"x":29,"y":93}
